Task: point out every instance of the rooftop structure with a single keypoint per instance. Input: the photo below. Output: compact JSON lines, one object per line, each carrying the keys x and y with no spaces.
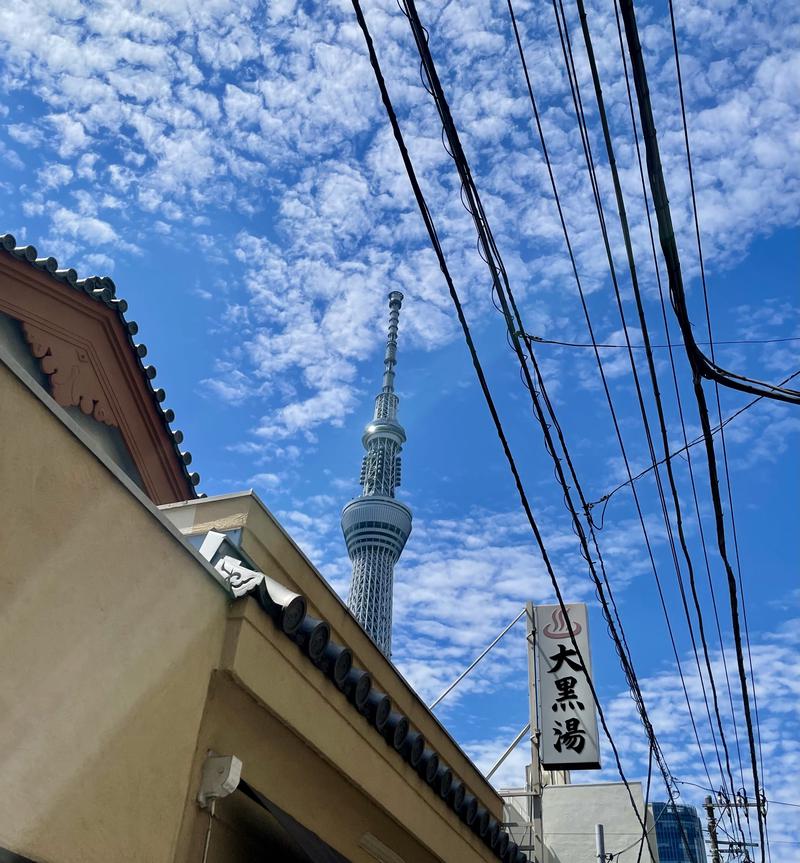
{"x":375,"y":525}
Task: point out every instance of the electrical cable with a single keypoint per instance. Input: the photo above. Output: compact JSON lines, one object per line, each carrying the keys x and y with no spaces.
{"x":646,"y":804}
{"x":714,"y":791}
{"x":566,"y":46}
{"x":678,"y":399}
{"x":494,"y":262}
{"x":577,"y":277}
{"x":549,"y":445}
{"x":475,"y":208}
{"x":427,"y":219}
{"x":625,"y":228}
{"x":670,"y":251}
{"x":640,"y":842}
{"x":580,"y":290}
{"x":700,"y":363}
{"x":695,"y":212}
{"x":585,"y":141}
{"x":542,"y":341}
{"x":675,"y":453}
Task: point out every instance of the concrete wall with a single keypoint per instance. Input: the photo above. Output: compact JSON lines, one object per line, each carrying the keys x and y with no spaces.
{"x":570,"y":813}
{"x":122,"y":662}
{"x":109,"y":628}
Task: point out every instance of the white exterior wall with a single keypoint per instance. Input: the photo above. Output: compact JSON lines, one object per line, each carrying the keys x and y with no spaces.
{"x":570,"y":813}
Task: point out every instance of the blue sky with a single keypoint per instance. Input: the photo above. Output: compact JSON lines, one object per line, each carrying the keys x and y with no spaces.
{"x":229,"y":165}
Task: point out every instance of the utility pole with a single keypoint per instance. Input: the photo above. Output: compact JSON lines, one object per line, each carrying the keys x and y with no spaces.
{"x":600,"y":842}
{"x":712,"y":830}
{"x":740,"y":849}
{"x":535,"y":773}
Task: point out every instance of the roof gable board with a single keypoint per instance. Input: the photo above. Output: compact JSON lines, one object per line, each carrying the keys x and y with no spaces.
{"x":78,"y":332}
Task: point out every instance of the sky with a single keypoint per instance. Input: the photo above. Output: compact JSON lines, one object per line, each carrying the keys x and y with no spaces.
{"x":231,"y":167}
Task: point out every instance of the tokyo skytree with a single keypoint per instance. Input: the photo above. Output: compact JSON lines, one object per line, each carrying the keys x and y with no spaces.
{"x":375,"y":525}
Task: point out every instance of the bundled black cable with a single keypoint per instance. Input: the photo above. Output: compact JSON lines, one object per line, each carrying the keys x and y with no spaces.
{"x":716,"y":385}
{"x":701,"y":365}
{"x":654,"y":382}
{"x":419,"y":34}
{"x":567,"y":50}
{"x":696,"y":359}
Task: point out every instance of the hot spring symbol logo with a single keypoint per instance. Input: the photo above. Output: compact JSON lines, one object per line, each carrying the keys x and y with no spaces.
{"x":559,"y":626}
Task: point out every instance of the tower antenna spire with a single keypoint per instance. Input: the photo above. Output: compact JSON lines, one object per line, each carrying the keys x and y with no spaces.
{"x":375,"y":524}
{"x":390,"y":357}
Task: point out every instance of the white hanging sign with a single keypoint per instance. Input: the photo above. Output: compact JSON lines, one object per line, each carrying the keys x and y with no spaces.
{"x":568,"y":720}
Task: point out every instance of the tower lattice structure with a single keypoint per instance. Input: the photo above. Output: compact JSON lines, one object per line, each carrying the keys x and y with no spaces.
{"x":375,"y":524}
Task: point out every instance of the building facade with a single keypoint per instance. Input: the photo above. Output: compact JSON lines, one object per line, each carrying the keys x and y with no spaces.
{"x":376,"y":526}
{"x":569,"y":815}
{"x":675,"y":828}
{"x":178,"y":683}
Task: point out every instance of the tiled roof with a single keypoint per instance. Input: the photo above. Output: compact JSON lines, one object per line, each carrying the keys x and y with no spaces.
{"x":103,"y":290}
{"x":289,"y":612}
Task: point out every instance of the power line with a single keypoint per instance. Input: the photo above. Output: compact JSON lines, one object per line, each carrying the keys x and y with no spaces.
{"x":714,"y":791}
{"x":624,"y":225}
{"x":579,"y":111}
{"x":488,"y":249}
{"x":627,"y":666}
{"x":491,"y":256}
{"x":542,"y":341}
{"x":429,"y":224}
{"x":685,"y":448}
{"x":678,"y":398}
{"x":646,"y":804}
{"x":600,"y":366}
{"x":670,"y":250}
{"x":696,"y":217}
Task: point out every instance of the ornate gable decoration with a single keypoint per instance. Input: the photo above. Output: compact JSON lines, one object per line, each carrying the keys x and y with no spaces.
{"x":73,"y":380}
{"x":77,"y":330}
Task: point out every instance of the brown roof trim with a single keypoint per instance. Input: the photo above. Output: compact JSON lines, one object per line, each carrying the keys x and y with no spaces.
{"x":78,"y":330}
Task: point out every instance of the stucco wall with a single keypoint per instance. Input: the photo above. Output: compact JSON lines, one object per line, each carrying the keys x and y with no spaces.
{"x":305,"y":747}
{"x":109,"y":629}
{"x":570,"y":813}
{"x":273,"y":551}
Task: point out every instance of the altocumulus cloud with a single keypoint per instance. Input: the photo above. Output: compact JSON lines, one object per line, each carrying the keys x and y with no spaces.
{"x":251,"y":134}
{"x":271,"y":109}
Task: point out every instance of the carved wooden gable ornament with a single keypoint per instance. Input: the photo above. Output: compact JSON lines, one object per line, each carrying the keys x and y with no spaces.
{"x":78,"y":333}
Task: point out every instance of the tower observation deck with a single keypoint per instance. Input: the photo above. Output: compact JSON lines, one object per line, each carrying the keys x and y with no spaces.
{"x":375,"y":525}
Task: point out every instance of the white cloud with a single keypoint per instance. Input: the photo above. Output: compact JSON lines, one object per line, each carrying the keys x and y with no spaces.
{"x":264,"y":480}
{"x":271,"y":117}
{"x":55,"y":175}
{"x":88,"y":230}
{"x":70,"y":134}
{"x":296,"y":128}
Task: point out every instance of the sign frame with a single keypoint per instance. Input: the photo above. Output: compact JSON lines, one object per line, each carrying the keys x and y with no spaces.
{"x":567,"y":715}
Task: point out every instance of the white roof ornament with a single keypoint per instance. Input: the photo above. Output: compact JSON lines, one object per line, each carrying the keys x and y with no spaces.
{"x":287,"y":608}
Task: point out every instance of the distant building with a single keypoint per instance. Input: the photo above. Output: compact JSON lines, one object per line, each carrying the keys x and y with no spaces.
{"x":569,"y":816}
{"x":375,"y":525}
{"x":670,"y":837}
